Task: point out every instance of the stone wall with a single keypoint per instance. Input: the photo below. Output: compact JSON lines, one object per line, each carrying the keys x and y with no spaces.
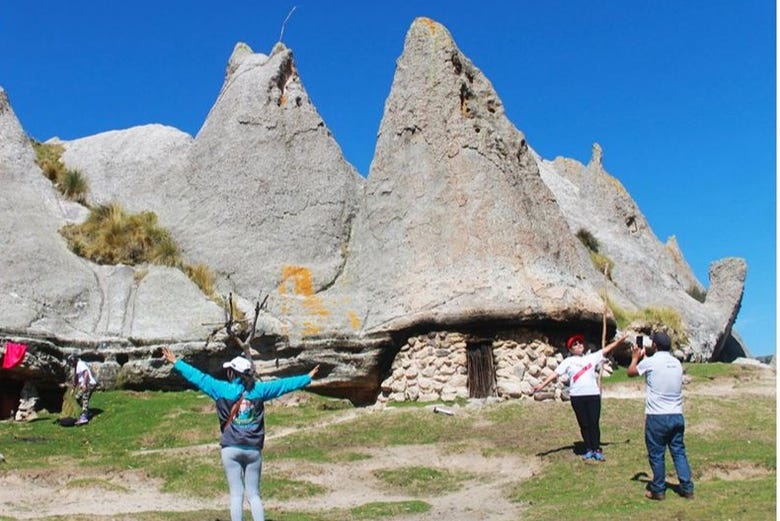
{"x":428,"y":368}
{"x":433,"y":366}
{"x":523,"y":363}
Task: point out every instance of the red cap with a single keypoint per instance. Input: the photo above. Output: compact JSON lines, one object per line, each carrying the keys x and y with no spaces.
{"x":573,"y":339}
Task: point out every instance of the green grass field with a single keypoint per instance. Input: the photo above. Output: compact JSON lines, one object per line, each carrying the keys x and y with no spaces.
{"x":730,"y":437}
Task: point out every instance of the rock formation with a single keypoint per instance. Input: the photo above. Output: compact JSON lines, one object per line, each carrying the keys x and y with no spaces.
{"x":267,"y":186}
{"x":454,"y":266}
{"x":647,"y":273}
{"x":46,"y":289}
{"x":455,"y":202}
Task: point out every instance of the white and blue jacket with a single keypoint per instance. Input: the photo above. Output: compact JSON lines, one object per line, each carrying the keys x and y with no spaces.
{"x":247,"y":429}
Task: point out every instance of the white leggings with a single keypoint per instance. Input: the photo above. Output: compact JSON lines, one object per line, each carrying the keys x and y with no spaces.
{"x":242,"y":469}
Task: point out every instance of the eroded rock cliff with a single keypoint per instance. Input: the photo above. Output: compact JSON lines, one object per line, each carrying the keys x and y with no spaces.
{"x":460,"y":241}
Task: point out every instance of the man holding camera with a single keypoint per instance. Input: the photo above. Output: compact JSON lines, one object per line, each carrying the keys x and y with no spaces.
{"x":664,"y":421}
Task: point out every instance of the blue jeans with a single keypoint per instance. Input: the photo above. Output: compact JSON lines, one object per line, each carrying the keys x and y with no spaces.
{"x":242,"y":469}
{"x":661,"y":431}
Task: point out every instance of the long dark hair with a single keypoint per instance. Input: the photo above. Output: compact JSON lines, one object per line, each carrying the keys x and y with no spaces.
{"x":247,"y":380}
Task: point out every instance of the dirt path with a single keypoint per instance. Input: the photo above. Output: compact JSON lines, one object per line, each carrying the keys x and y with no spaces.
{"x":480,"y":497}
{"x":33,"y":495}
{"x":30,"y":495}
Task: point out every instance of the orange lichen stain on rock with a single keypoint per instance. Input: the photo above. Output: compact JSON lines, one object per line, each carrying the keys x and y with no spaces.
{"x":309,"y":328}
{"x":432,"y":26}
{"x":300,"y":278}
{"x":354,"y":320}
{"x":297,"y":281}
{"x":283,"y":100}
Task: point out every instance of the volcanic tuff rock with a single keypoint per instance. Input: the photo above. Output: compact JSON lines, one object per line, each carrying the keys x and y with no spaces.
{"x":267,"y":187}
{"x":459,"y":226}
{"x":45,"y":287}
{"x":50,"y":292}
{"x":647,"y":273}
{"x":146,"y":161}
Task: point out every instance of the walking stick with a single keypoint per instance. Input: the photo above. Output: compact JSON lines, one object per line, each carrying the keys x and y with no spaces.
{"x":603,"y":323}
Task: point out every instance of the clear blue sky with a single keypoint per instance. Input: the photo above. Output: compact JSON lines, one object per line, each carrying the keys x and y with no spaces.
{"x":681,"y":95}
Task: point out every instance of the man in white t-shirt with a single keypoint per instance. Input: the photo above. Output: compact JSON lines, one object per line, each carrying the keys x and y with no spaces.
{"x":664,"y":421}
{"x":84,"y":383}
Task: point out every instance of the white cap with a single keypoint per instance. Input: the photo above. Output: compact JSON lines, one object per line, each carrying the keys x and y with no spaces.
{"x":239,"y":364}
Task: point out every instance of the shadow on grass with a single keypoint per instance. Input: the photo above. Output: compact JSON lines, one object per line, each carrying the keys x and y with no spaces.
{"x":643,"y":477}
{"x":578,"y":447}
{"x":70,"y":421}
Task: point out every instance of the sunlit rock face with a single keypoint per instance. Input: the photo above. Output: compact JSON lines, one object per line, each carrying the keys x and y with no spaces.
{"x":460,"y":231}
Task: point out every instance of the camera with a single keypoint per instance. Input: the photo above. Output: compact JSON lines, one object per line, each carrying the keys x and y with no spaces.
{"x":640,"y":340}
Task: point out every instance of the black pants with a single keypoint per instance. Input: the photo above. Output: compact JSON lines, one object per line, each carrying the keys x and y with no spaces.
{"x":587,"y":409}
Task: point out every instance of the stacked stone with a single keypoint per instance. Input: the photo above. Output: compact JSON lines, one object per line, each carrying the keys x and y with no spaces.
{"x":433,"y":367}
{"x":521,"y":366}
{"x":428,"y":368}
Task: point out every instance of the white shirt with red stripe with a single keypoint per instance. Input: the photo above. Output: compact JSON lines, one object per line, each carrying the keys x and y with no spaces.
{"x":581,"y":371}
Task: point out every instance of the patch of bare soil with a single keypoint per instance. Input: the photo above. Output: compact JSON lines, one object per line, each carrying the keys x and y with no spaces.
{"x":33,"y":495}
{"x":354,"y":483}
{"x":738,"y":471}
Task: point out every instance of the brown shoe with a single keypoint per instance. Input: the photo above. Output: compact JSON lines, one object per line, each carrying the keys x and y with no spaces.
{"x":688,"y":495}
{"x":660,"y":496}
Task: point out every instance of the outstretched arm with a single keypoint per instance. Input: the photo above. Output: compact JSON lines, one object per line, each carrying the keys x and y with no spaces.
{"x":213,"y":387}
{"x":168,"y":354}
{"x":275,"y":388}
{"x":613,"y":345}
{"x":552,"y":376}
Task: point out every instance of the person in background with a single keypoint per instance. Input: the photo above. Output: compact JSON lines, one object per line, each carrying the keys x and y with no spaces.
{"x":84,"y":384}
{"x":241,"y":413}
{"x":664,"y":421}
{"x":584,"y":390}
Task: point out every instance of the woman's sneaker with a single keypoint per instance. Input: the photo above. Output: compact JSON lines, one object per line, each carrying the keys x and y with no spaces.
{"x":599,"y":456}
{"x":82,"y":420}
{"x":588,"y":455}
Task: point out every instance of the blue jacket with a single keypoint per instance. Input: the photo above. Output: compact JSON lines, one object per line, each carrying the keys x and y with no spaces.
{"x":247,"y":430}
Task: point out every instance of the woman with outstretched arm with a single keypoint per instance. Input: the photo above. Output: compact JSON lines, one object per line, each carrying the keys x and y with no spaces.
{"x":241,"y":412}
{"x":584,"y":390}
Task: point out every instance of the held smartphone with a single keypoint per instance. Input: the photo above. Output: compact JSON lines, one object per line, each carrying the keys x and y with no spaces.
{"x":640,"y":340}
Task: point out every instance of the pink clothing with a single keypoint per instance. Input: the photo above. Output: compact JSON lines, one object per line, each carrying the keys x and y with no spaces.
{"x":14,"y":353}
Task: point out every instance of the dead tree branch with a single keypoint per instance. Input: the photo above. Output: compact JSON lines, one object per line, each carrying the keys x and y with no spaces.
{"x":234,"y":336}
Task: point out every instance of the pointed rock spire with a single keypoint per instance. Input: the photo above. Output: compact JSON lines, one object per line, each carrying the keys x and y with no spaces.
{"x":41,"y":281}
{"x":240,"y":52}
{"x":596,"y":156}
{"x":266,"y":180}
{"x":455,"y":204}
{"x":15,"y":146}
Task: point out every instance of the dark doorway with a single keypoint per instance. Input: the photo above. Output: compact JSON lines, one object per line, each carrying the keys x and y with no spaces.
{"x":10,"y":391}
{"x":480,"y":369}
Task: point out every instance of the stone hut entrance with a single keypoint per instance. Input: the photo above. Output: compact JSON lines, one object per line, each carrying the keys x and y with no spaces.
{"x":480,"y":369}
{"x":10,"y":390}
